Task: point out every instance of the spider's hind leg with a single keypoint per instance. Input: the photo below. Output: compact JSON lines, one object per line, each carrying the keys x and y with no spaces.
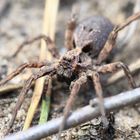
{"x":113,"y":67}
{"x":110,"y":43}
{"x":50,"y":45}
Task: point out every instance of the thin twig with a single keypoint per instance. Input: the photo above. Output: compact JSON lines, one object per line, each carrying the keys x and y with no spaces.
{"x":82,"y":115}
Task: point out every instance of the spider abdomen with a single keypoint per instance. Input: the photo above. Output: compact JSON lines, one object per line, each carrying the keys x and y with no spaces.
{"x":92,"y":33}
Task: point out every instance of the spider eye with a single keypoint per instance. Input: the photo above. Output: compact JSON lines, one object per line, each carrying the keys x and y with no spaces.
{"x":87,"y":48}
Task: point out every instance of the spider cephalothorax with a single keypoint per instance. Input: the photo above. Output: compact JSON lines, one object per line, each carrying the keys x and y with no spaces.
{"x":66,"y":70}
{"x":72,"y":64}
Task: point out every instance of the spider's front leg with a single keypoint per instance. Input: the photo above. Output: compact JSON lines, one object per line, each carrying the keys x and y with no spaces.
{"x":113,"y":67}
{"x":74,"y":91}
{"x":44,"y":71}
{"x":21,"y":68}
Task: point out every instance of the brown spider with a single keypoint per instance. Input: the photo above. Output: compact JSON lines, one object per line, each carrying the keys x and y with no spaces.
{"x":88,"y":44}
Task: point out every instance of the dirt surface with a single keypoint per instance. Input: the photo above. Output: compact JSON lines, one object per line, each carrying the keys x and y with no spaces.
{"x":22,"y":19}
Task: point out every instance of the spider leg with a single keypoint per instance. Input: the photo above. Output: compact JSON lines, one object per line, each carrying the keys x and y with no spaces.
{"x":21,"y":68}
{"x":113,"y":67}
{"x":71,"y":25}
{"x":110,"y":44}
{"x":44,"y":71}
{"x":99,"y":93}
{"x":74,"y":91}
{"x":49,"y":42}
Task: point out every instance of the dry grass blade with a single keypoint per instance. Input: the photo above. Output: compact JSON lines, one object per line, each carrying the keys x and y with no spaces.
{"x":10,"y":88}
{"x":50,"y":12}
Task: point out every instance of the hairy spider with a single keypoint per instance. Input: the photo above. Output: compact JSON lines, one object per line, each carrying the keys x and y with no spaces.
{"x":88,"y":44}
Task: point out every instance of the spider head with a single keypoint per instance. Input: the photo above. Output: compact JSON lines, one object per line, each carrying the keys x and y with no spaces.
{"x":67,"y":68}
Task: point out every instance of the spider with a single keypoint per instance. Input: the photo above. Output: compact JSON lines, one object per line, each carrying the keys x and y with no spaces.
{"x":88,"y":44}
